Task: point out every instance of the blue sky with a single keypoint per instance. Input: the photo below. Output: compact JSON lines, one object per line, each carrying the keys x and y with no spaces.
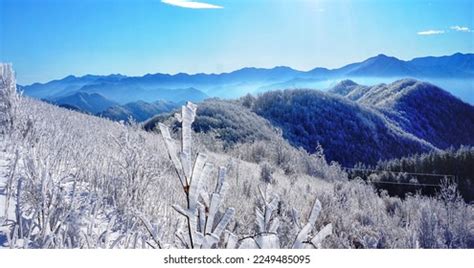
{"x":50,"y":39}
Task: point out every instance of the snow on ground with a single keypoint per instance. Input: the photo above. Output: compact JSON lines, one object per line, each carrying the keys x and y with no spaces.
{"x":5,"y":213}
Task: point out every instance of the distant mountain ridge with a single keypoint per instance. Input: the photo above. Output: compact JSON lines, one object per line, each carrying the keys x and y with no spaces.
{"x":139,"y":110}
{"x":199,"y":86}
{"x":90,"y":103}
{"x":117,"y":88}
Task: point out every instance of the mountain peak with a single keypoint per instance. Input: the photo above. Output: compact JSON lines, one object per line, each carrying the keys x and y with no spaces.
{"x":83,"y":101}
{"x":388,"y":95}
{"x":405,"y":82}
{"x":69,"y":78}
{"x":286,"y":68}
{"x":459,"y":54}
{"x":344,"y":87}
{"x":347,"y":82}
{"x":383,"y":57}
{"x":378,"y":66}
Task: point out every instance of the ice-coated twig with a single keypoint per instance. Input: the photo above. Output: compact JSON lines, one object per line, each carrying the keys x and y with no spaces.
{"x":321,"y":235}
{"x":267,"y":227}
{"x":301,"y":240}
{"x":203,"y":228}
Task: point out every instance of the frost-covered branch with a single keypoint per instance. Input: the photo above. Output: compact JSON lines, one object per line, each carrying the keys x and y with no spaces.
{"x":203,"y":228}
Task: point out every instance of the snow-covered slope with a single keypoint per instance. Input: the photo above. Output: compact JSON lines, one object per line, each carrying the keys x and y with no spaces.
{"x":348,"y":131}
{"x":420,"y":108}
{"x":87,"y":182}
{"x":101,"y":184}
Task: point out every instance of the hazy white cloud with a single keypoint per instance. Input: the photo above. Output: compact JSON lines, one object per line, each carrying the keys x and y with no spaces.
{"x":455,"y":28}
{"x":190,"y":4}
{"x":460,"y":29}
{"x":430,"y":32}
